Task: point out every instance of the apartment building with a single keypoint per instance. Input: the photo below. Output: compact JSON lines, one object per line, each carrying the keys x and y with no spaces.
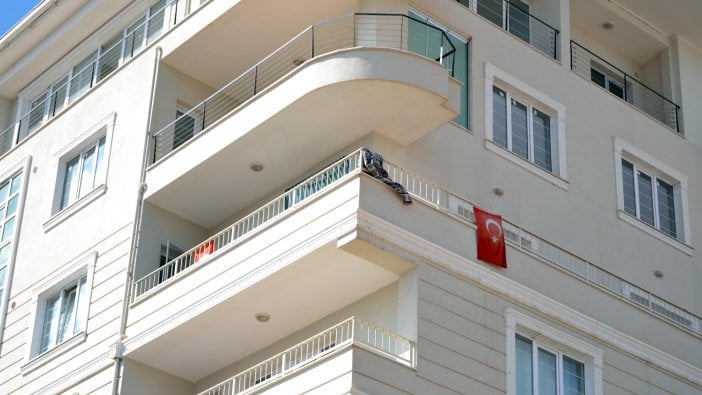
{"x":186,"y":207}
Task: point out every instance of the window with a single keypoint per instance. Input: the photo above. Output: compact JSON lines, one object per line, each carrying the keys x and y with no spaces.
{"x":609,"y":82}
{"x":83,"y":173}
{"x":60,"y":312}
{"x":184,"y":127}
{"x":547,"y":361}
{"x":527,"y":124}
{"x":543,"y":371}
{"x":652,"y":193}
{"x":9,"y":208}
{"x":522,"y":129}
{"x":64,"y":314}
{"x":169,"y":252}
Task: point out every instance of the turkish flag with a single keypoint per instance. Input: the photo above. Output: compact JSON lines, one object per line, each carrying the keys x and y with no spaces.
{"x":491,"y":238}
{"x":204,"y":250}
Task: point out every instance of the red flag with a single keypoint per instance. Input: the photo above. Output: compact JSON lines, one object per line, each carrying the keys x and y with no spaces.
{"x":491,"y":238}
{"x":204,"y":250}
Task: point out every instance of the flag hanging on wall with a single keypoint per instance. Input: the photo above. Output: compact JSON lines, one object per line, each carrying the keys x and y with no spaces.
{"x":491,"y":238}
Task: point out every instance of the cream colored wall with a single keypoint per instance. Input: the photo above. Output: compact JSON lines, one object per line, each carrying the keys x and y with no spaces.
{"x":690,"y":64}
{"x":5,"y":112}
{"x":158,"y":227}
{"x":104,"y":226}
{"x":379,"y":308}
{"x":143,"y":379}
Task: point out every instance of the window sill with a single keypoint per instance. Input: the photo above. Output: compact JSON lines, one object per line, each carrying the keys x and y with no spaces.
{"x":47,"y":356}
{"x":518,"y":160}
{"x":680,"y":245}
{"x":75,"y":207}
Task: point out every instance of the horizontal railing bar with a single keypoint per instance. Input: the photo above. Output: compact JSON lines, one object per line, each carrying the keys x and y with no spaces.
{"x":624,"y":73}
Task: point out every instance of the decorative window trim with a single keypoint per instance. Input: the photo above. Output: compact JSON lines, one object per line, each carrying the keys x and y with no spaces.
{"x":628,"y":152}
{"x":85,"y":266}
{"x":591,"y":356}
{"x":497,"y":77}
{"x":104,"y":128}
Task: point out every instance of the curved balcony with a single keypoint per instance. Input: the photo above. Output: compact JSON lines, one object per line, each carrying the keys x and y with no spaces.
{"x":328,"y":87}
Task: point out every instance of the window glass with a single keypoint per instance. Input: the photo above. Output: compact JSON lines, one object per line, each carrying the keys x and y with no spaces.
{"x":629,"y":191}
{"x":520,"y":129}
{"x":499,"y":117}
{"x":84,"y":173}
{"x":646,"y":199}
{"x":8,"y":228}
{"x":666,"y":208}
{"x":573,"y":377}
{"x":156,"y":13}
{"x":492,"y":10}
{"x":64,"y":315}
{"x":36,"y":113}
{"x":460,"y":72}
{"x":59,"y":93}
{"x":134,"y":38}
{"x":184,"y":128}
{"x":83,"y":74}
{"x":524,"y":366}
{"x":547,"y":373}
{"x":542,"y":139}
{"x":518,"y":20}
{"x":109,"y":56}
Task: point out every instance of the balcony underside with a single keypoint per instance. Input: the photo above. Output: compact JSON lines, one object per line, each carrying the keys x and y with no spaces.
{"x":300,"y":269}
{"x":231,"y":35}
{"x":300,"y":121}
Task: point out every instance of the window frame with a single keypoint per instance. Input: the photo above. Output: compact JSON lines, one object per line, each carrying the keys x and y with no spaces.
{"x":97,"y":178}
{"x":657,"y":170}
{"x":554,"y":341}
{"x":60,"y":280}
{"x":535,"y":100}
{"x":88,"y":139}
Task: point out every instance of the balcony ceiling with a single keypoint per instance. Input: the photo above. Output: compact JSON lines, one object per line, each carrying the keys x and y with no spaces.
{"x":232,"y":40}
{"x":627,"y":38}
{"x":671,"y":16}
{"x":302,"y":293}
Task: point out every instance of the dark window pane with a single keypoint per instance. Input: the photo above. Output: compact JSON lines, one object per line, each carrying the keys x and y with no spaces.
{"x":666,"y":208}
{"x":646,"y":199}
{"x":492,"y":10}
{"x":499,"y":117}
{"x":518,"y":19}
{"x":524,"y":366}
{"x":628,"y":187}
{"x":520,"y":131}
{"x":542,"y":140}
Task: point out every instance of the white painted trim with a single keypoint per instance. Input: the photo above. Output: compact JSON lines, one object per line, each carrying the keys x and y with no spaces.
{"x":526,"y":165}
{"x":100,"y":362}
{"x":593,"y":355}
{"x":105,"y":127}
{"x":650,"y":164}
{"x":494,"y":76}
{"x":425,"y":251}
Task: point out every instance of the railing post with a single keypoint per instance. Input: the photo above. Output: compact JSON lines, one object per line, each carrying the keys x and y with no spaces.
{"x":626,"y":94}
{"x":16,"y":133}
{"x":284,"y":362}
{"x":255,"y":79}
{"x":313,"y":41}
{"x":555,"y":44}
{"x":677,"y":119}
{"x":204,"y":115}
{"x":572,"y":66}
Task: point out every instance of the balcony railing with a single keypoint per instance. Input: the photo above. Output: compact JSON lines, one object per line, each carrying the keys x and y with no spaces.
{"x":594,"y":68}
{"x":514,"y":17}
{"x":352,"y":331}
{"x":235,"y":233}
{"x":78,"y":82}
{"x":357,"y":30}
{"x":443,"y":200}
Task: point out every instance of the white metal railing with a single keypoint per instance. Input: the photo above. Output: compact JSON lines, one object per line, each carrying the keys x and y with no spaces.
{"x":442,"y":199}
{"x":77,"y":83}
{"x":235,"y":233}
{"x":351,"y":331}
{"x":348,"y":31}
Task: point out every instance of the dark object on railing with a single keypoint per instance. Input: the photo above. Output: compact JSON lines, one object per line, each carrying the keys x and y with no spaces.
{"x":372,"y":163}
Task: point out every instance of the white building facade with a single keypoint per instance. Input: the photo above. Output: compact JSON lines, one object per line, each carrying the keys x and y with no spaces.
{"x":184,"y":207}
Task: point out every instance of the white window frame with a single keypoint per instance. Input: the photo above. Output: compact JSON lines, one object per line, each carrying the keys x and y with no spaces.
{"x":88,"y":139}
{"x":534,"y":99}
{"x":83,"y":268}
{"x":656,"y":169}
{"x":554,"y":341}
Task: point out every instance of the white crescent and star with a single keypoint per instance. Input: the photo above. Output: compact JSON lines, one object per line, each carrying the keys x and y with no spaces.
{"x":493,"y":237}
